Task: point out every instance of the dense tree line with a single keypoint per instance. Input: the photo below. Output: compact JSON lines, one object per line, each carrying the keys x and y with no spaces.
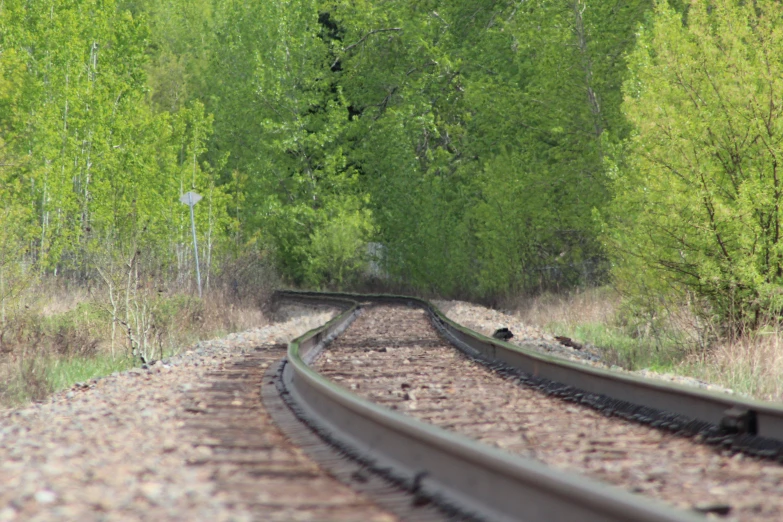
{"x":466,"y":138}
{"x":477,"y":148}
{"x":90,"y":170}
{"x":697,"y":192}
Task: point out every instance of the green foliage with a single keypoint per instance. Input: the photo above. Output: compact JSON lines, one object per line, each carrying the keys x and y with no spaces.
{"x":90,"y":171}
{"x":469,"y":136}
{"x":470,"y":139}
{"x":697,"y":194}
{"x":337,"y":250}
{"x":478,"y":129}
{"x":283,"y":120}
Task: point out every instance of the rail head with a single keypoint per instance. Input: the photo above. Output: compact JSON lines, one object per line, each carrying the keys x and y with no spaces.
{"x":482,"y":481}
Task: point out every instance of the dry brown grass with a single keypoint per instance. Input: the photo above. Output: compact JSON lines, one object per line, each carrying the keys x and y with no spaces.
{"x":675,"y":340}
{"x":56,"y":299}
{"x":595,"y":305}
{"x":54,"y":334}
{"x":54,"y":329}
{"x":219,"y":313}
{"x":596,"y":316}
{"x":752,"y":365}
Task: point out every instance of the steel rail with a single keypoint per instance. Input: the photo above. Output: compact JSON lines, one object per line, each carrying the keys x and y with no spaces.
{"x":755,"y":418}
{"x":477,"y":480}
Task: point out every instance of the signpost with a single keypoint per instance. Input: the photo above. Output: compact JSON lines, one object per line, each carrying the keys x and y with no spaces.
{"x":190,"y":199}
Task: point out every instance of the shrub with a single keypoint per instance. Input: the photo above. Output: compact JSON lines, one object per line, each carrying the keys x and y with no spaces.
{"x":697,"y":201}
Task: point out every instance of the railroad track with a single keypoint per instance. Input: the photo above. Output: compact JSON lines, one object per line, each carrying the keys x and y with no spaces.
{"x":249,"y":459}
{"x":474,"y":428}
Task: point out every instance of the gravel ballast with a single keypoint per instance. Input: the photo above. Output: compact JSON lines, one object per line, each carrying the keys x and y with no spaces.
{"x":116,"y":448}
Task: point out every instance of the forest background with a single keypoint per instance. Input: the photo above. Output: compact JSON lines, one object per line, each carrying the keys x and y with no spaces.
{"x":481,"y":149}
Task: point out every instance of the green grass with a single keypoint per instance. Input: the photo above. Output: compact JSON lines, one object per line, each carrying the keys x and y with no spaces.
{"x":671,"y":339}
{"x":63,"y":373}
{"x":752,"y":365}
{"x":37,"y":377}
{"x":619,"y":348}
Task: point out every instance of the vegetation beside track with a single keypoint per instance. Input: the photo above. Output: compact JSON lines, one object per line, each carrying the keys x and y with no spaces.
{"x":679,"y":344}
{"x":66,"y":337}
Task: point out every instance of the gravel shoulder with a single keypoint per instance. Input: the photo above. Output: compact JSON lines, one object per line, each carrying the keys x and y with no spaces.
{"x":116,"y":448}
{"x":486,"y":320}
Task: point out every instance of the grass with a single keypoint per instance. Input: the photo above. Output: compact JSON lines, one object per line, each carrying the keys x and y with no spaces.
{"x":57,"y":330}
{"x":678,"y":343}
{"x":620,"y":349}
{"x":63,"y":373}
{"x":752,"y":365}
{"x":65,"y":338}
{"x":594,"y":316}
{"x":59,"y":337}
{"x":35,"y":378}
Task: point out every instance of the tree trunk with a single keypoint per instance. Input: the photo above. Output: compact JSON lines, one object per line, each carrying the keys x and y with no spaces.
{"x":578,"y":7}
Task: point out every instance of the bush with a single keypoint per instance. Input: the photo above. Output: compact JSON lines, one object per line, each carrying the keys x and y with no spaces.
{"x":697,"y":202}
{"x":74,"y":333}
{"x":250,"y":278}
{"x":337,"y":255}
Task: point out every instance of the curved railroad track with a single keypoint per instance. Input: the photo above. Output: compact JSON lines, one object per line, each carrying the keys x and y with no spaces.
{"x":493,"y":431}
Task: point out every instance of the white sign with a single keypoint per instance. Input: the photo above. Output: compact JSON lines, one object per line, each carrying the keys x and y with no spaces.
{"x":190,"y":198}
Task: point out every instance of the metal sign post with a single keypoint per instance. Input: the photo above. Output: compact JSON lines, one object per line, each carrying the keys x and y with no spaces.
{"x":190,"y":199}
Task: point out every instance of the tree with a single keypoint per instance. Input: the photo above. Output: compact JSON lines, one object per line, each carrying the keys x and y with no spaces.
{"x":478,"y":131}
{"x":92,"y":166}
{"x":697,"y":202}
{"x":282,"y":119}
{"x":468,"y":137}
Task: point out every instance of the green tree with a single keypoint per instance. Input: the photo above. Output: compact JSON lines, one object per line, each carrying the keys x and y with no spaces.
{"x":282,"y":120}
{"x":478,"y":128}
{"x":468,"y":137}
{"x":697,"y":200}
{"x":97,"y":169}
